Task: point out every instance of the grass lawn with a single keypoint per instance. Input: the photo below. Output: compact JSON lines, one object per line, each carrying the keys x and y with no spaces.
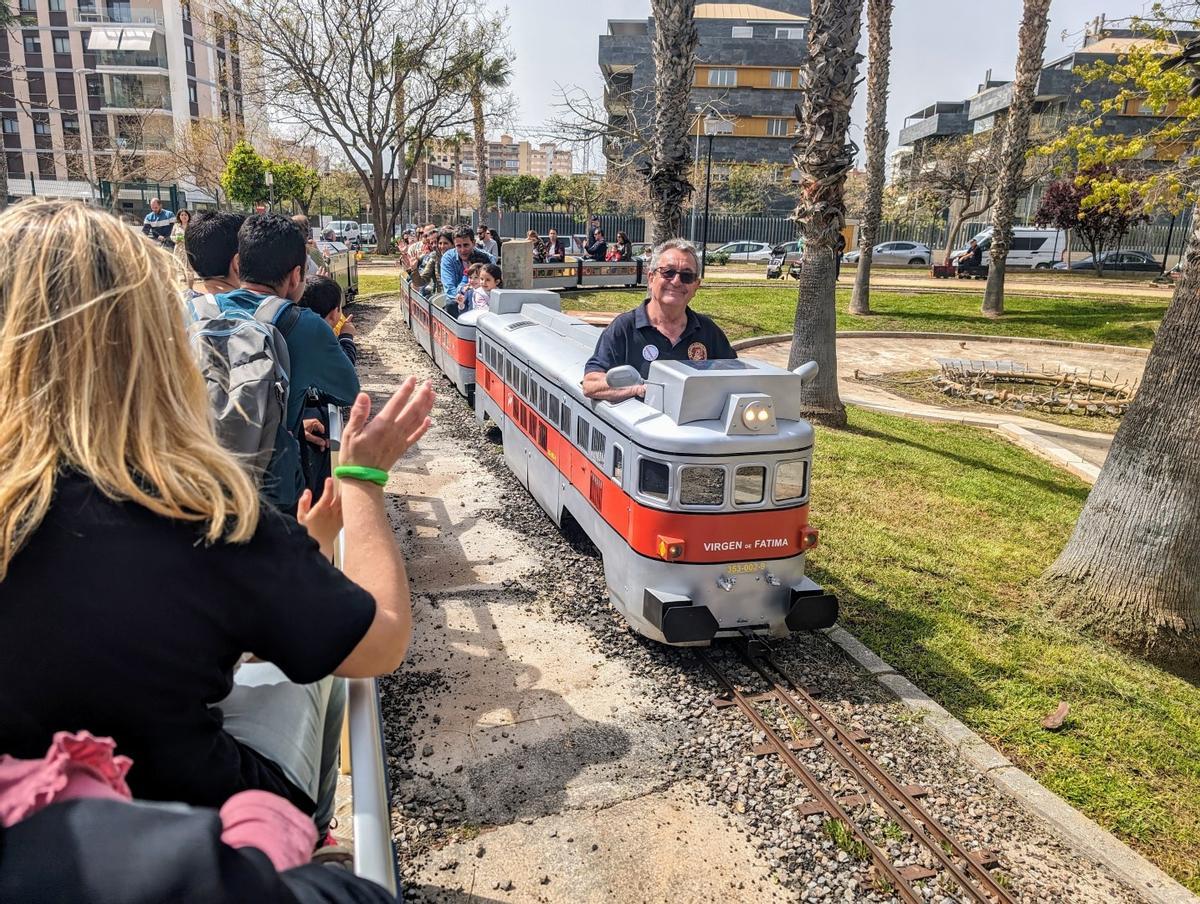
{"x":937,"y":573}
{"x":370,"y":283}
{"x":744,"y":312}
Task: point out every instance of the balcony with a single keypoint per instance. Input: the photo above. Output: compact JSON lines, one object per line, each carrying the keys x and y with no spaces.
{"x":137,"y":92}
{"x":119,"y":16}
{"x":937,"y":125}
{"x":131,"y":59}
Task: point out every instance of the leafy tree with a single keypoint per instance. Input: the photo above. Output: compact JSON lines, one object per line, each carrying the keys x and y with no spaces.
{"x":513,"y":191}
{"x":554,"y":191}
{"x":526,"y":190}
{"x":1068,"y":204}
{"x":244,"y":177}
{"x":584,"y":195}
{"x":296,"y":181}
{"x":748,"y":190}
{"x":1031,"y":43}
{"x":879,"y":32}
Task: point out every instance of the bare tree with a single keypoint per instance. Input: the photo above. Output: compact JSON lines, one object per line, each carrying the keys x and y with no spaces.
{"x":1031,"y":43}
{"x":198,"y":153}
{"x":879,"y":35}
{"x":370,"y":77}
{"x":955,"y":174}
{"x":823,"y":156}
{"x":675,"y":40}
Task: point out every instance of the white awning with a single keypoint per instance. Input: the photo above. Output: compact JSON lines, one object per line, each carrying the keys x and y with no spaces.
{"x":136,"y":38}
{"x":120,"y":38}
{"x":104,"y":39}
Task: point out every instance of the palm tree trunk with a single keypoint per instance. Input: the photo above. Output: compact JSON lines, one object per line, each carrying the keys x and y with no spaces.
{"x":675,"y":40}
{"x":1031,"y":43}
{"x":480,"y":153}
{"x":879,"y":32}
{"x":1129,"y":569}
{"x":823,"y":157}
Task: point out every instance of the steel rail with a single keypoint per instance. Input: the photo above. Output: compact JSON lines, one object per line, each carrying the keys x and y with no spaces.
{"x":900,"y":805}
{"x":374,"y":855}
{"x":827,"y":800}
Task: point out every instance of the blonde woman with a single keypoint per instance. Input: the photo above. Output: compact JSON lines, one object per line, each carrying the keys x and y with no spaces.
{"x":137,"y":564}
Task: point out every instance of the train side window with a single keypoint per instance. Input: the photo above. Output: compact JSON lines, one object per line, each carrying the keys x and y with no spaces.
{"x":617,"y":464}
{"x":555,"y":411}
{"x":543,"y":405}
{"x":654,"y":479}
{"x":524,"y":384}
{"x":598,"y":443}
{"x":791,"y":479}
{"x":702,"y":486}
{"x":566,"y":420}
{"x":581,"y":434}
{"x":749,"y":484}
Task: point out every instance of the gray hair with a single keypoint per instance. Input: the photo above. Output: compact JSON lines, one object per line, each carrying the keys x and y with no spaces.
{"x":674,"y":245}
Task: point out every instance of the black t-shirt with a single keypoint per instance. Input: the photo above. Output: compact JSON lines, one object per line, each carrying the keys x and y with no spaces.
{"x":124,"y":623}
{"x":632,"y":339}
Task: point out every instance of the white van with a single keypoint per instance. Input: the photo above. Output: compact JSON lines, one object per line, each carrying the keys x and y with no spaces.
{"x":344,"y":231}
{"x":1040,"y":249}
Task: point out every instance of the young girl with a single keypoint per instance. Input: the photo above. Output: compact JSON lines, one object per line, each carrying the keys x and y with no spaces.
{"x":488,"y":279}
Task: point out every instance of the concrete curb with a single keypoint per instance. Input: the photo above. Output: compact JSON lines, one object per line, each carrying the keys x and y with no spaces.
{"x":1081,"y":833}
{"x":755,"y":341}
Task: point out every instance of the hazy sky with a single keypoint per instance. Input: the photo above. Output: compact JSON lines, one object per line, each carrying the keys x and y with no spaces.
{"x":940,"y":48}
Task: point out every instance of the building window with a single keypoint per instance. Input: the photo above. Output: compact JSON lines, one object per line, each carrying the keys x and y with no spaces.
{"x":32,"y":44}
{"x":790,"y":34}
{"x":70,"y":125}
{"x":743,"y":31}
{"x":46,"y":166}
{"x":779,"y":128}
{"x":189,"y":52}
{"x":782,"y":78}
{"x":41,"y":127}
{"x":62,"y":44}
{"x":58,"y":6}
{"x":11,"y":127}
{"x":29,"y":6}
{"x":185,"y":10}
{"x":722,"y":78}
{"x":192,"y":94}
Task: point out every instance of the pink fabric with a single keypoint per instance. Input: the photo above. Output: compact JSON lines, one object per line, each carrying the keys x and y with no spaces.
{"x":76,"y":765}
{"x":262,"y":820}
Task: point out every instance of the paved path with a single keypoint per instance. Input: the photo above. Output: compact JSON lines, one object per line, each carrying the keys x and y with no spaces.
{"x":1080,"y":451}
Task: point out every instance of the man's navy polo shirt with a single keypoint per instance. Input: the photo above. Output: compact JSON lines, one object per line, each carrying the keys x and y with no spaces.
{"x":631,"y":339}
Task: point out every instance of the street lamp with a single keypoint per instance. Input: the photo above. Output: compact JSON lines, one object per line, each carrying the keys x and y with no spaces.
{"x":270,"y":177}
{"x":712,"y":128}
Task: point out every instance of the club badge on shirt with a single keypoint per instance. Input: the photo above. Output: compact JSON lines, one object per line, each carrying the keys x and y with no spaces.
{"x":697,"y":351}
{"x":650,"y":352}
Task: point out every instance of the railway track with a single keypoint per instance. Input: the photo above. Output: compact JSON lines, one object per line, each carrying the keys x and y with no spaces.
{"x":968,"y":870}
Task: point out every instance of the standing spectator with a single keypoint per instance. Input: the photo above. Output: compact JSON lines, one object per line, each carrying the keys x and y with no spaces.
{"x":159,"y":223}
{"x":487,"y":244}
{"x":593,"y":230}
{"x":556,"y":252}
{"x":624,"y":247}
{"x":598,"y":249}
{"x":211,"y":245}
{"x":454,"y":266}
{"x":539,"y":248}
{"x":119,"y":485}
{"x":270,"y":263}
{"x":181,"y":224}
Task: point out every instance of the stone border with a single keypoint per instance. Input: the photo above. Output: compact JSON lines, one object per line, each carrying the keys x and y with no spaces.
{"x":1081,"y":833}
{"x":755,"y":341}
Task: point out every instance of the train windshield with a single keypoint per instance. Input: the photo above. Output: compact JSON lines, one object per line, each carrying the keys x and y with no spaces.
{"x":702,"y":486}
{"x":749,"y":484}
{"x":790,"y":480}
{"x":654,"y":478}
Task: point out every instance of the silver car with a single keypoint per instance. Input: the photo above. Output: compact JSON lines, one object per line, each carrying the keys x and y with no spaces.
{"x":744,"y":252}
{"x":911,"y":254}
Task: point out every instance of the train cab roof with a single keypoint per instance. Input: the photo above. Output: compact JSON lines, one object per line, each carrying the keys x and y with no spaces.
{"x":708,"y":407}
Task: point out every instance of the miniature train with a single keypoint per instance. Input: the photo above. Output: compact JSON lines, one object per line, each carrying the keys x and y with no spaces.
{"x":696,"y":496}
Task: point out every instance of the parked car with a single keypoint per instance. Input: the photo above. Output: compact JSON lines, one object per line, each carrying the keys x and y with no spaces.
{"x":1040,"y":249}
{"x":1127,"y":261}
{"x":790,"y":252}
{"x":346,"y":231}
{"x":912,"y":254}
{"x":744,"y":252}
{"x":366,"y":234}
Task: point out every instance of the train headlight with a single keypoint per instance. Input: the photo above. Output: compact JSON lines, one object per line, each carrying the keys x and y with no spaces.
{"x":755,"y":415}
{"x":670,"y":548}
{"x":809,"y":537}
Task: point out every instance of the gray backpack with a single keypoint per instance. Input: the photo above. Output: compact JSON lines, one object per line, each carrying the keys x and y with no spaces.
{"x":245,"y":364}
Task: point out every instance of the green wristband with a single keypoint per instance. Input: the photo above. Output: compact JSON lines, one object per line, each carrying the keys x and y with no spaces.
{"x":359,"y":472}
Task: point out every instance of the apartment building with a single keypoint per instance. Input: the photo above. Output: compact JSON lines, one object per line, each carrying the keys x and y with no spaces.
{"x":507,"y":157}
{"x":88,"y":88}
{"x":747,"y":72}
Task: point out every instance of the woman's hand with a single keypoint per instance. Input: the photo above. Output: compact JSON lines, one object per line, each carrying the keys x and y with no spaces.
{"x":323,"y":520}
{"x":400,"y":423}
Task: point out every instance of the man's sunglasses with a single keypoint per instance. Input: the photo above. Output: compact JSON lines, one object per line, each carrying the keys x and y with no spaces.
{"x":687,"y":277}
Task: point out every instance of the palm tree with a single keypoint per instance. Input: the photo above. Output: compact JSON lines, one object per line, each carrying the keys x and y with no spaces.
{"x":1031,"y":42}
{"x":879,"y":33}
{"x":487,"y":73}
{"x":675,"y":40}
{"x":823,"y":157}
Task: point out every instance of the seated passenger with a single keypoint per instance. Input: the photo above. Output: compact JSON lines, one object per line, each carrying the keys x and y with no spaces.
{"x":598,"y":249}
{"x":972,"y":257}
{"x":271,"y":263}
{"x":489,"y":279}
{"x":211,"y":244}
{"x":136,"y":557}
{"x":454,"y":266}
{"x":556,"y":252}
{"x":663,"y":327}
{"x":539,"y":249}
{"x":487,"y":243}
{"x":429,"y":273}
{"x":465,"y":300}
{"x":624,"y":247}
{"x":71,"y":831}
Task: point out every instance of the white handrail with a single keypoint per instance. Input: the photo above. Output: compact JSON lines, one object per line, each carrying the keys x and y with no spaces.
{"x":374,"y":856}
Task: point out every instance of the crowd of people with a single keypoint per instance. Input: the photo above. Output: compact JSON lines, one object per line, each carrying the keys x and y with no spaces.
{"x":175,"y":635}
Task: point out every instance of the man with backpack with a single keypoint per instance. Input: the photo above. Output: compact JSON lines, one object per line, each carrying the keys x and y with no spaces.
{"x":260,"y":324}
{"x":211,"y":244}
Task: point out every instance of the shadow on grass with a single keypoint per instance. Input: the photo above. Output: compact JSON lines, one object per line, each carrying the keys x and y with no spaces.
{"x":1078,"y":493}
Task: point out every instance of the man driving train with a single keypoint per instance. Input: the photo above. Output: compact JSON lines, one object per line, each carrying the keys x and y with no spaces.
{"x":661,"y":327}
